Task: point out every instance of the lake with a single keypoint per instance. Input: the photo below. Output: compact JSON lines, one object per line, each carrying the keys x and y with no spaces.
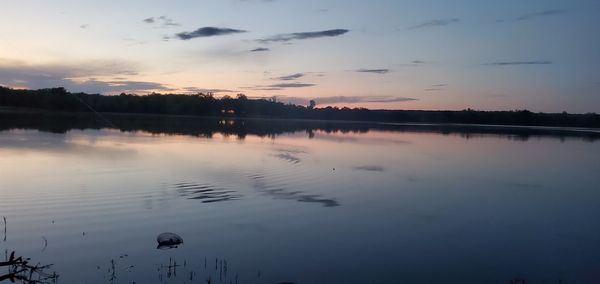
{"x":275,"y":201}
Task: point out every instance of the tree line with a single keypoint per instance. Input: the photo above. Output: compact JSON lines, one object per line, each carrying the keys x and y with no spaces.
{"x":59,"y":99}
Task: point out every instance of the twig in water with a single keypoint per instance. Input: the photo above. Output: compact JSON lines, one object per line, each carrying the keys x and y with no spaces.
{"x":45,"y":243}
{"x":4,"y":217}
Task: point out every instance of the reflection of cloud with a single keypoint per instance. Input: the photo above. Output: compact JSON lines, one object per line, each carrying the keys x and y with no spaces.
{"x":304,"y":35}
{"x":436,"y":23}
{"x":370,"y":168}
{"x":208,"y":32}
{"x":84,"y":146}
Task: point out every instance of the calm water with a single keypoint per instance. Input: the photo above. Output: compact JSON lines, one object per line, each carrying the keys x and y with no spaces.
{"x":269,"y":202}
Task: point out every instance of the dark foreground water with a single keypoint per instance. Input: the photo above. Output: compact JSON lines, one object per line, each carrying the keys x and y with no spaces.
{"x":261,"y":201}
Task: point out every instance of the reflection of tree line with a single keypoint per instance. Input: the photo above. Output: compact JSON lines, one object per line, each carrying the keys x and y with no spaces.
{"x":240,"y":128}
{"x":58,"y":99}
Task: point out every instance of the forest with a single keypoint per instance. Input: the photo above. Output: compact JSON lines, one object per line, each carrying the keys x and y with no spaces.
{"x":60,"y":100}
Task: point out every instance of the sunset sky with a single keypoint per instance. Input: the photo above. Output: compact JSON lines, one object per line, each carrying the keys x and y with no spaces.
{"x":543,"y":55}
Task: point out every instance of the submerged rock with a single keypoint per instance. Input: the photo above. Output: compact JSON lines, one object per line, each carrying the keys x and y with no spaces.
{"x":168,"y":240}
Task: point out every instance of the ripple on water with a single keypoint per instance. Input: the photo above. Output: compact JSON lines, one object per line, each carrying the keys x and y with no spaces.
{"x":206,"y":193}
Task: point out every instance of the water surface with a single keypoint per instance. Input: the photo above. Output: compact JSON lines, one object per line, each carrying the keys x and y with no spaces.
{"x":262,"y":201}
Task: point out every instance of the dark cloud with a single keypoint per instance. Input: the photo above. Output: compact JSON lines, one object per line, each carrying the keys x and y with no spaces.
{"x":207,"y":32}
{"x":512,"y":63}
{"x":304,"y":35}
{"x":544,"y":13}
{"x":436,"y":23}
{"x":290,"y":77}
{"x":149,"y":20}
{"x":84,"y":26}
{"x":75,"y":77}
{"x":260,"y":49}
{"x":376,"y":71}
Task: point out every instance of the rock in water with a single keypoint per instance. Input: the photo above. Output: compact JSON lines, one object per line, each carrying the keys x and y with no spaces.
{"x":168,"y":240}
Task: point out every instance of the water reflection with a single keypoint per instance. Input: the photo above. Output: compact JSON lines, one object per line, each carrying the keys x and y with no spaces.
{"x":23,"y":270}
{"x":270,"y":206}
{"x":240,"y":128}
{"x":276,"y":192}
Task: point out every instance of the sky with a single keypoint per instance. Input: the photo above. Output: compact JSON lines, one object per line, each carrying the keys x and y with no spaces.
{"x":541,"y":55}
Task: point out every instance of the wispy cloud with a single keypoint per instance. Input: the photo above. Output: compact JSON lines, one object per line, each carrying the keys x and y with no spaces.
{"x":196,"y":90}
{"x":343,"y":99}
{"x":435,"y":23}
{"x":260,"y":49}
{"x":376,"y":71}
{"x":208,"y":32}
{"x":414,"y":63}
{"x":436,"y":87}
{"x":303,"y":35}
{"x":84,"y":26}
{"x":513,"y":63}
{"x":278,"y":87}
{"x":544,"y":13}
{"x":162,"y":21}
{"x":370,"y":168}
{"x":290,"y":77}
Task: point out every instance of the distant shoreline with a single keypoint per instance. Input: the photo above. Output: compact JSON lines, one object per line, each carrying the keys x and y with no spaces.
{"x":58,"y":100}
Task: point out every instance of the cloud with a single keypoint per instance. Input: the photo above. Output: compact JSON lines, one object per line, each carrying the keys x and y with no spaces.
{"x":376,"y":71}
{"x":361,"y":99}
{"x":370,"y":168}
{"x":84,"y":26}
{"x":512,"y":63}
{"x":163,"y":21}
{"x":260,"y":49}
{"x":278,"y":87}
{"x":414,"y":63}
{"x":290,"y":77}
{"x":303,"y":35}
{"x":196,"y":90}
{"x":207,"y":32}
{"x":435,"y":23}
{"x":75,"y":77}
{"x":292,"y":85}
{"x":544,"y":13}
{"x":343,"y":99}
